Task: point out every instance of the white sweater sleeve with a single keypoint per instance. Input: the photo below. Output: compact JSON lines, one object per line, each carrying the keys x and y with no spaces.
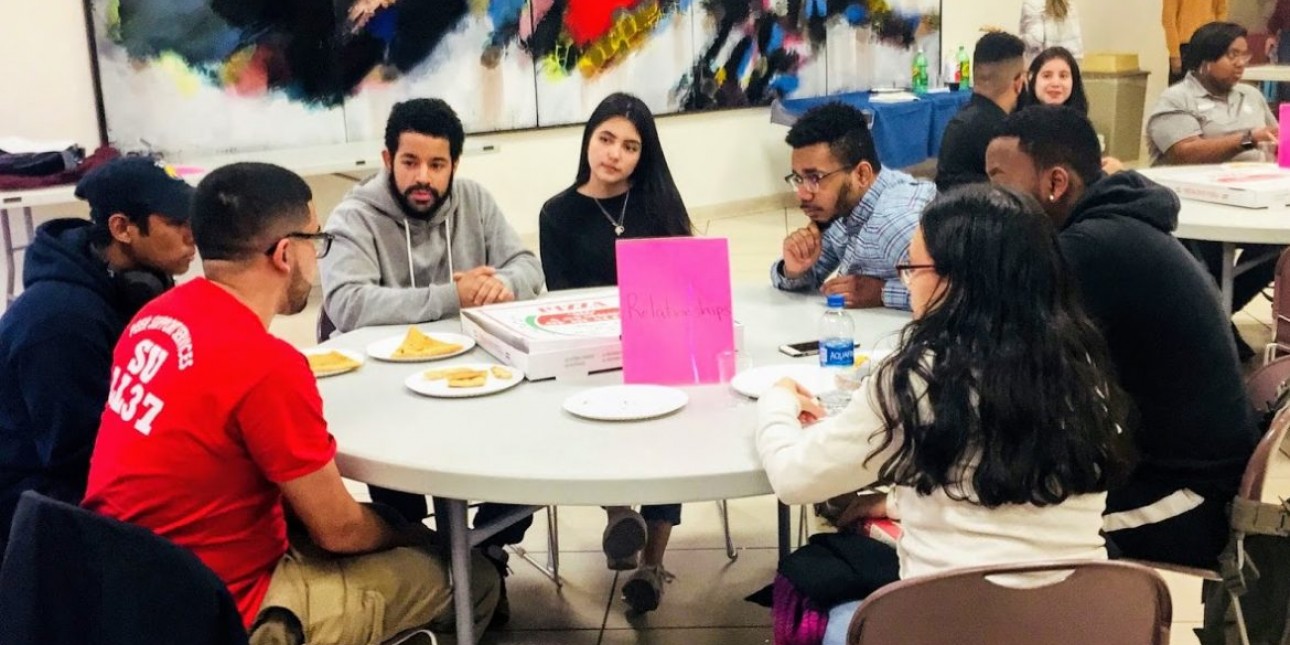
{"x":808,"y":465}
{"x":1032,"y":27}
{"x":1074,"y":34}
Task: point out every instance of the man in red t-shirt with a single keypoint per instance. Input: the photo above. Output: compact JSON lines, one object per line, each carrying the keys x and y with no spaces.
{"x":212,"y":423}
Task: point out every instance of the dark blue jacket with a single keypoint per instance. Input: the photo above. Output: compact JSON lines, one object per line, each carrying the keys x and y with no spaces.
{"x":56,"y":344}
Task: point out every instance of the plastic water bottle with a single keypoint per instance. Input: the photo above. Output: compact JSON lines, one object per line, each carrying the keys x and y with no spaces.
{"x":837,"y":350}
{"x":964,"y":74}
{"x":920,"y":78}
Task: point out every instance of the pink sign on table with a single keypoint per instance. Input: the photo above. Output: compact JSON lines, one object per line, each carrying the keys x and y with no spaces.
{"x":674,"y":302}
{"x":1283,"y":145}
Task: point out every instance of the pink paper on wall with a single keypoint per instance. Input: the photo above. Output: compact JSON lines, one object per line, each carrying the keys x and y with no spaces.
{"x":674,"y":302}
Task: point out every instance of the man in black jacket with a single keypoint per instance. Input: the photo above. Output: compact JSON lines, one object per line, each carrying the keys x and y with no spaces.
{"x":1000,"y":78}
{"x":1167,"y":334}
{"x":82,"y":282}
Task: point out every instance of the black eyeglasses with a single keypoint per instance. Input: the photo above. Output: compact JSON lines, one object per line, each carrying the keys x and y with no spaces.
{"x":810,"y":180}
{"x":321,"y":242}
{"x":906,"y":271}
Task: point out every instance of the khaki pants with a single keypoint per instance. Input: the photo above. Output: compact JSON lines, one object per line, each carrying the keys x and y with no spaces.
{"x":367,"y":599}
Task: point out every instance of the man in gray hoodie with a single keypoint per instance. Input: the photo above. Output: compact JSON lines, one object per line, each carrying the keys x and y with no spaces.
{"x":415,"y":244}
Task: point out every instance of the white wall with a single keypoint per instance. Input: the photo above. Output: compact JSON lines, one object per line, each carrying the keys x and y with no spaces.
{"x":45,"y":72}
{"x":717,"y":158}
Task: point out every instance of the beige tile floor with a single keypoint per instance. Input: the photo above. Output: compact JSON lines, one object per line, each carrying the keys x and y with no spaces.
{"x":705,"y":604}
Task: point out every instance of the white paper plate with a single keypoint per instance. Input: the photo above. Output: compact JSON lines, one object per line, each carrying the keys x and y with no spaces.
{"x":754,"y":382}
{"x":439,"y":387}
{"x":626,"y":402}
{"x":348,"y":353}
{"x":383,"y":350}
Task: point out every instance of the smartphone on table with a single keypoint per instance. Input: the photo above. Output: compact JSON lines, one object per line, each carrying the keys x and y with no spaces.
{"x":804,"y":348}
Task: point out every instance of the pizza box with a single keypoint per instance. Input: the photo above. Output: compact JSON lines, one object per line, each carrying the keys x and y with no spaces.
{"x":1250,"y":185}
{"x":574,"y":334}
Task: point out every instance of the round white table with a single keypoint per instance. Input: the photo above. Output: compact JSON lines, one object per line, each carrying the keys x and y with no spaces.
{"x":1231,"y":225}
{"x":520,"y":447}
{"x":1267,"y":73}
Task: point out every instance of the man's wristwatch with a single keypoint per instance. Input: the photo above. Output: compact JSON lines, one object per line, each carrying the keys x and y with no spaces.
{"x":1247,"y":140}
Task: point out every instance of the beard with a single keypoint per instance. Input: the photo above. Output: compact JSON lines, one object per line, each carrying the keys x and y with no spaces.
{"x":840,"y":203}
{"x":404,"y":197}
{"x":297,"y":292}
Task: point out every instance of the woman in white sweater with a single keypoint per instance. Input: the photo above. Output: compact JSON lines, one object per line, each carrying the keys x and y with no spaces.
{"x":995,"y":421}
{"x":1050,"y":23}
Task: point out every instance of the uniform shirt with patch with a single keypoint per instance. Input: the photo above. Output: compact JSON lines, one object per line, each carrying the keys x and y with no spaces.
{"x":1188,"y":109}
{"x":207,"y":413}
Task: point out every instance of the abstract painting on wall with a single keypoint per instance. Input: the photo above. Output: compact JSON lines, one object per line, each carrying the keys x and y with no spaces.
{"x":193,"y":77}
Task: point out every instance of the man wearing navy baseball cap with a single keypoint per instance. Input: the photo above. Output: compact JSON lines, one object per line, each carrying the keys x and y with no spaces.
{"x":82,"y":283}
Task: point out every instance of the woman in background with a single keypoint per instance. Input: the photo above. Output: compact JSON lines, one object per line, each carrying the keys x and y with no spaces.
{"x":1211,"y":117}
{"x":1051,"y":23}
{"x":1054,"y":79}
{"x":623,"y":189}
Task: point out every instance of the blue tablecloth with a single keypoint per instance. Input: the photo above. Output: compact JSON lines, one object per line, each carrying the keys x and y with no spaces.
{"x":905,"y":132}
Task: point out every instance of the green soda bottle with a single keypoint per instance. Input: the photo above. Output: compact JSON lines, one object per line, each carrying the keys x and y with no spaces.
{"x":920,"y":78}
{"x":964,"y":74}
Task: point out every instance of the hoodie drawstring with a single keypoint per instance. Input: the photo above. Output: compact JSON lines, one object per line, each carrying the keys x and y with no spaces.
{"x":407,"y":235}
{"x":447,"y":223}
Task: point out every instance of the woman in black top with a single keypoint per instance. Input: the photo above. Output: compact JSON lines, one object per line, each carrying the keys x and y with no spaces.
{"x":623,"y":189}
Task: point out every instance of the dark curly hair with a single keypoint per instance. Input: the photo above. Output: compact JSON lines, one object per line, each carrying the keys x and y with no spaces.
{"x":1055,"y":135}
{"x":841,"y":126}
{"x":431,"y":117}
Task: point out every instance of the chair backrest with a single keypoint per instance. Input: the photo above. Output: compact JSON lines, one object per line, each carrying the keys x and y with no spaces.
{"x":1281,"y":305}
{"x":1264,"y":384}
{"x":1098,"y":602}
{"x":73,"y":576}
{"x":1256,"y":470}
{"x":325,"y":326}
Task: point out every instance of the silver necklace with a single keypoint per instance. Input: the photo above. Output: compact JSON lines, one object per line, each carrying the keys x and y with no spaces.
{"x":622,"y":215}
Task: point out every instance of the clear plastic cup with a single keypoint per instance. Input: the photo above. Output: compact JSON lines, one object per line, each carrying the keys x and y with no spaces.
{"x":846,"y":382}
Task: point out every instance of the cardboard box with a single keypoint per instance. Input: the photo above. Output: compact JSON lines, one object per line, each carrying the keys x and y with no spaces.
{"x":1109,"y":62}
{"x":575,"y":334}
{"x":1253,"y":185}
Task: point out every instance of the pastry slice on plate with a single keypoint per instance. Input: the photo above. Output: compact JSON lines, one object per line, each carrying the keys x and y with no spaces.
{"x":418,"y":345}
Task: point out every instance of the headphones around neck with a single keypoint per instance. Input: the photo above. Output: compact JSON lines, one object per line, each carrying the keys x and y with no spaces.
{"x":135,"y":288}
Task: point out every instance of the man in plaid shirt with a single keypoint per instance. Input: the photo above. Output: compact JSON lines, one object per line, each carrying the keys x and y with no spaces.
{"x":862,"y":215}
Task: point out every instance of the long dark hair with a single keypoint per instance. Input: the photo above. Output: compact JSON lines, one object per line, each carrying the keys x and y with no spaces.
{"x":1078,"y":100}
{"x":1019,"y":405}
{"x":653,"y":191}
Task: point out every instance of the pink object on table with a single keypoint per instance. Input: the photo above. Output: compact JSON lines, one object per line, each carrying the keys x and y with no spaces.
{"x":674,"y":303}
{"x":1283,"y":146}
